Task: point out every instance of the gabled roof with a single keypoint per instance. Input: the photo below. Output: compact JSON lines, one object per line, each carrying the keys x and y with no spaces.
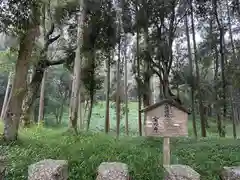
{"x":165,"y":101}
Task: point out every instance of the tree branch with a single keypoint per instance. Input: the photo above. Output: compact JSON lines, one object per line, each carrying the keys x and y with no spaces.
{"x":154,"y":64}
{"x":179,"y":20}
{"x":171,"y":38}
{"x":50,"y":31}
{"x":51,"y":40}
{"x":52,"y":63}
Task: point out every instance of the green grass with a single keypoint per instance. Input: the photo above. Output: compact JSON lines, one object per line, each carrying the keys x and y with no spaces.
{"x":86,"y":151}
{"x":143,"y":155}
{"x":98,"y":119}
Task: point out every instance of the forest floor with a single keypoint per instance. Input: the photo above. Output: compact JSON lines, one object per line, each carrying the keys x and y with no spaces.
{"x":98,"y":121}
{"x":86,"y":151}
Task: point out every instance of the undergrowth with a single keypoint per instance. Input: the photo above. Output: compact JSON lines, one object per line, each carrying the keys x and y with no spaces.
{"x":143,"y":155}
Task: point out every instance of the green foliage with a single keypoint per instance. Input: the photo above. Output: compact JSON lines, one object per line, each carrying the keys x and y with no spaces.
{"x":65,"y":10}
{"x":126,"y":16}
{"x":57,"y":92}
{"x":208,"y":156}
{"x":84,"y":153}
{"x":143,"y":155}
{"x":18,"y":16}
{"x":100,"y":29}
{"x":3,"y":84}
{"x":7,"y":60}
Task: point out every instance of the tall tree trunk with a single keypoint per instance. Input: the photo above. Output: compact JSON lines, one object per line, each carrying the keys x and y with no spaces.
{"x":118,"y":100}
{"x":38,"y":69}
{"x":32,"y":111}
{"x":235,"y":112}
{"x":222,"y":58}
{"x":210,"y":110}
{"x":214,"y":46}
{"x":81,"y":100}
{"x":42,"y":89}
{"x":61,"y":109}
{"x":178,"y":92}
{"x":224,"y":84}
{"x":201,"y":106}
{"x":14,"y":110}
{"x":86,"y":107}
{"x":33,"y":88}
{"x":154,"y":89}
{"x":108,"y":63}
{"x":80,"y":115}
{"x":160,"y":90}
{"x":6,"y":96}
{"x":91,"y":70}
{"x":29,"y":78}
{"x":219,"y":121}
{"x":90,"y":111}
{"x":139,"y":78}
{"x":32,"y":93}
{"x":147,"y":77}
{"x":126,"y":87}
{"x":77,"y":65}
{"x":41,"y":99}
{"x":192,"y":75}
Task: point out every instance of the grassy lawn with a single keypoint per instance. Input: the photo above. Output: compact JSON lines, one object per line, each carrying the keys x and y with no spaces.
{"x":98,"y":118}
{"x":143,"y":155}
{"x":86,"y":151}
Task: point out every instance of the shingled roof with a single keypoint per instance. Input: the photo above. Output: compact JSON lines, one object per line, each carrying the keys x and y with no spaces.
{"x":165,"y":101}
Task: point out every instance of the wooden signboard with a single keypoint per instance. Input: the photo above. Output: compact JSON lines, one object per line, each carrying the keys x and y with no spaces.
{"x":166,"y":119}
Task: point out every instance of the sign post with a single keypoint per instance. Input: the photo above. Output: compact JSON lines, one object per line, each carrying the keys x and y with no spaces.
{"x":166,"y":151}
{"x":166,"y":140}
{"x":166,"y":119}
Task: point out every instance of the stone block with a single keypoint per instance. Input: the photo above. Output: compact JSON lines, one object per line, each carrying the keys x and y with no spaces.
{"x":230,"y":173}
{"x":48,"y":169}
{"x":180,"y":172}
{"x":113,"y":171}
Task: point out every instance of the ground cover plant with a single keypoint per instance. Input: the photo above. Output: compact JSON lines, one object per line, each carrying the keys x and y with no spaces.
{"x":86,"y":151}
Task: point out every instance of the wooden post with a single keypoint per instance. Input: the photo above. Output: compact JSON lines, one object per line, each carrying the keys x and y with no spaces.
{"x":166,"y":151}
{"x":41,"y":100}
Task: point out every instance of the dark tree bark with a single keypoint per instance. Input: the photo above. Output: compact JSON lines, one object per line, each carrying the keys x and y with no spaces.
{"x":13,"y":113}
{"x":222,"y":60}
{"x":107,"y":119}
{"x":138,"y":76}
{"x":201,"y":106}
{"x":192,"y":85}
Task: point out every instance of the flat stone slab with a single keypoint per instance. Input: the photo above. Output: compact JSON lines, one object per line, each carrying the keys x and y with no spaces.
{"x":113,"y":171}
{"x":180,"y":172}
{"x":230,"y":173}
{"x":48,"y":169}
